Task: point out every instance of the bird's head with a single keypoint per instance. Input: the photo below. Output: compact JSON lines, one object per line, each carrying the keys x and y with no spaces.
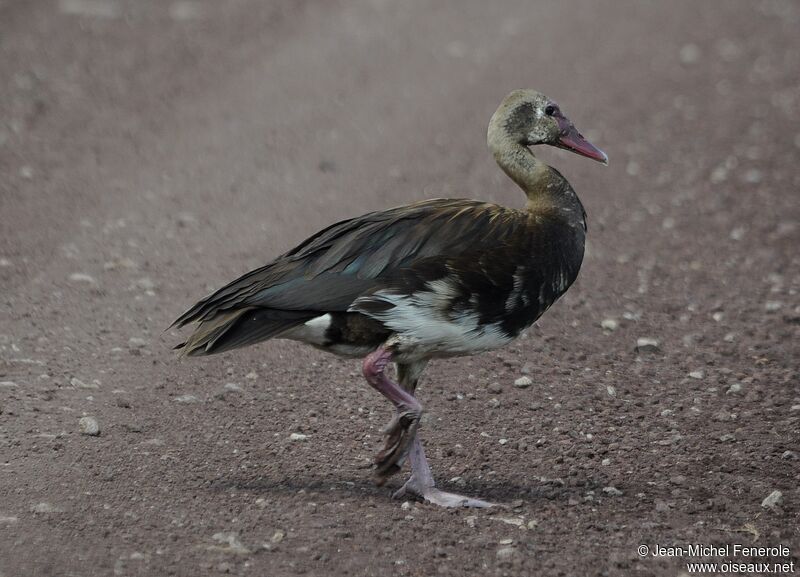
{"x":528,"y":118}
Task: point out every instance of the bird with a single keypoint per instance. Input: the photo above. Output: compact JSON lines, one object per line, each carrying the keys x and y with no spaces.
{"x":432,"y":279}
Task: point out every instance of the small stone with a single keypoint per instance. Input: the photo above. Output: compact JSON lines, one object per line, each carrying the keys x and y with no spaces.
{"x":230,"y":543}
{"x":506,"y":553}
{"x":79,"y":384}
{"x":278,"y":536}
{"x":494,"y":388}
{"x":89,"y":426}
{"x":405,"y":506}
{"x":471,"y":521}
{"x":753,"y":176}
{"x":609,"y":325}
{"x":298,"y":437}
{"x":523,"y":382}
{"x":772,"y":306}
{"x":503,"y":441}
{"x":146,"y":284}
{"x":79,"y":277}
{"x":26,"y":172}
{"x":789,"y":455}
{"x":184,"y":10}
{"x":8,"y":385}
{"x":611,"y":390}
{"x":8,"y":519}
{"x":773,"y":501}
{"x":251,"y":376}
{"x":661,"y":506}
{"x":493,"y":402}
{"x":91,"y":8}
{"x":235,"y":387}
{"x":794,"y":408}
{"x":46,"y":508}
{"x":612,"y":491}
{"x":690,"y":53}
{"x":4,"y":262}
{"x":136,"y":343}
{"x":727,"y":437}
{"x":734,"y":388}
{"x":697,"y":374}
{"x":647,"y":345}
{"x":605,"y":462}
{"x":186,"y":399}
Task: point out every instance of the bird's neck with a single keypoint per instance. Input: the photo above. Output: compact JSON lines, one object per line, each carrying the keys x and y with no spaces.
{"x":544,"y":186}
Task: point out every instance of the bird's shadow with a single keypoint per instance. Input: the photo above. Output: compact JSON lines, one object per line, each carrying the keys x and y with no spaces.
{"x":499,"y":492}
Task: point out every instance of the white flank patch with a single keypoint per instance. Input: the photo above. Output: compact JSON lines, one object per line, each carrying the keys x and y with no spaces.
{"x":424,"y":323}
{"x":311,"y":332}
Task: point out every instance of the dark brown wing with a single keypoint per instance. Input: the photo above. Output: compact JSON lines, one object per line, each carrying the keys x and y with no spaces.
{"x":328,"y":271}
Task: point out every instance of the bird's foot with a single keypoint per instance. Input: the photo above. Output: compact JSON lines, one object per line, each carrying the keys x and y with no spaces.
{"x":400,"y":433}
{"x":427,"y":491}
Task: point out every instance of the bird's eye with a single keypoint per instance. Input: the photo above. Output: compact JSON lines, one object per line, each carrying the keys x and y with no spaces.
{"x":550,"y":110}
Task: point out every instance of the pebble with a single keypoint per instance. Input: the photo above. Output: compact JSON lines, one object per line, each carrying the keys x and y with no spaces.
{"x":186,"y":399}
{"x":789,"y":455}
{"x":611,"y":490}
{"x":697,"y":374}
{"x":609,"y":324}
{"x":80,"y":277}
{"x":7,"y":385}
{"x":46,"y":508}
{"x":605,"y":462}
{"x":233,"y":387}
{"x":647,"y":345}
{"x":298,"y":437}
{"x":471,"y":521}
{"x":278,"y":536}
{"x":734,"y":388}
{"x":506,"y":553}
{"x":185,"y":10}
{"x":146,"y":284}
{"x":690,"y":53}
{"x":231,"y":543}
{"x":89,"y":426}
{"x":773,"y":501}
{"x":611,"y":390}
{"x":136,"y":343}
{"x":405,"y":506}
{"x":79,"y":384}
{"x":503,"y":441}
{"x":92,"y":8}
{"x":8,"y":519}
{"x":494,"y":388}
{"x":523,"y":382}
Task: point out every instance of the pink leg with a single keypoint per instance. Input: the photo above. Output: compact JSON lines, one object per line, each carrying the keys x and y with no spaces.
{"x":401,"y":431}
{"x":421,"y":484}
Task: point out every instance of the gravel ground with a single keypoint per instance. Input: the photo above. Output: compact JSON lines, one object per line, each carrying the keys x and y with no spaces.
{"x":150,"y":151}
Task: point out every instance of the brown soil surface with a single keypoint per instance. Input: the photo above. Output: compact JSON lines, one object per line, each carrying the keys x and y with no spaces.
{"x":151,"y":151}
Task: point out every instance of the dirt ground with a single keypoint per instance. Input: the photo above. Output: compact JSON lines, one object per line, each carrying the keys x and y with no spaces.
{"x":151,"y":151}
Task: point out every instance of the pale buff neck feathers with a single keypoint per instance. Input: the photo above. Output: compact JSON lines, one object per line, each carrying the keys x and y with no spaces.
{"x":517,"y":161}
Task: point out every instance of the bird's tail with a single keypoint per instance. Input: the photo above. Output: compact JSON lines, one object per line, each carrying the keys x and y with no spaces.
{"x":237,"y":328}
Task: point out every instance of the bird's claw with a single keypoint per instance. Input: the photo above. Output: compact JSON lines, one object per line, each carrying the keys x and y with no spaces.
{"x":433,"y":495}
